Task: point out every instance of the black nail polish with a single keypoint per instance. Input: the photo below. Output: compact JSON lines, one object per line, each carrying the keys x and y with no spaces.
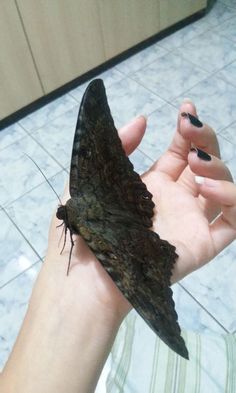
{"x":201,"y":154}
{"x":193,"y":120}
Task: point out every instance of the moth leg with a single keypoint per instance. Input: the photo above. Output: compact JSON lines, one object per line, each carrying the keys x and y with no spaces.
{"x":58,"y":226}
{"x":65,"y":233}
{"x":72,"y":245}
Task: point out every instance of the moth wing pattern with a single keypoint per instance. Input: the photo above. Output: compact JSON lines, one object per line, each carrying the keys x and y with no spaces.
{"x":137,"y":260}
{"x":140,"y":264}
{"x":98,"y":156}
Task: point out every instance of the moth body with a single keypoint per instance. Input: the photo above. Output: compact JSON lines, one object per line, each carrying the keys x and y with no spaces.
{"x":111,"y":208}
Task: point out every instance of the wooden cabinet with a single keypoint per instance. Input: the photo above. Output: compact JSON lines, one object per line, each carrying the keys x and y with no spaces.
{"x":46,"y":43}
{"x":126,"y":23}
{"x":19,"y":82}
{"x":172,"y":11}
{"x":65,"y":38}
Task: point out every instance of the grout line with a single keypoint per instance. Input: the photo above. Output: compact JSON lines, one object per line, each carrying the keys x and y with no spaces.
{"x":176,"y":53}
{"x":189,"y":40}
{"x":16,"y":141}
{"x":226,"y":138}
{"x":170,"y":101}
{"x":46,"y":151}
{"x":29,"y":132}
{"x":204,"y":308}
{"x":143,"y":66}
{"x":146,"y":155}
{"x":231,"y":124}
{"x":22,"y":234}
{"x":71,"y":94}
{"x":230,"y":6}
{"x":150,"y":91}
{"x":20,"y":274}
{"x":61,"y":168}
{"x":8,"y":204}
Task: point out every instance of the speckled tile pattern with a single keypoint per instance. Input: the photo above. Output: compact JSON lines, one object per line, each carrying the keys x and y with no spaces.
{"x":34,"y":221}
{"x":212,"y":93}
{"x":199,"y":62}
{"x":170,"y":75}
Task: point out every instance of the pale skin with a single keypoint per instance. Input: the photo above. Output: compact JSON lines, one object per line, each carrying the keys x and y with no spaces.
{"x":72,"y":321}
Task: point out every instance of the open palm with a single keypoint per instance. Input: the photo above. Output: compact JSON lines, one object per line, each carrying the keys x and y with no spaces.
{"x":183,"y":216}
{"x":184,"y":211}
{"x":180,"y":219}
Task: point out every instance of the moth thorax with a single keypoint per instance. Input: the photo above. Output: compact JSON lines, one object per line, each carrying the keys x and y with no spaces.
{"x":61,"y":213}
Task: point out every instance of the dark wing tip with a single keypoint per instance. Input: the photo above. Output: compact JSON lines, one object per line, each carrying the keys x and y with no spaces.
{"x":95,"y":85}
{"x":93,"y":103}
{"x":180,"y":348}
{"x":170,"y":335}
{"x":95,"y":90}
{"x":184,"y":353}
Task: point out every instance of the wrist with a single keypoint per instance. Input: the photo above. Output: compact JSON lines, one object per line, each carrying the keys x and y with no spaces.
{"x":86,"y":274}
{"x":86,"y":287}
{"x":67,"y":326}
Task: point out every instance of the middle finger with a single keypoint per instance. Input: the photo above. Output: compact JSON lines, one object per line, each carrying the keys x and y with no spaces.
{"x":201,"y":135}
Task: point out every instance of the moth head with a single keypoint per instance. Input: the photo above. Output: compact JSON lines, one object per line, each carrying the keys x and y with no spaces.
{"x":61,"y":213}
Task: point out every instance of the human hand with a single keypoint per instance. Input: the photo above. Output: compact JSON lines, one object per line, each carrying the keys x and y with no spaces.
{"x":183,"y":214}
{"x":185,"y":211}
{"x":86,"y":273}
{"x":71,"y":321}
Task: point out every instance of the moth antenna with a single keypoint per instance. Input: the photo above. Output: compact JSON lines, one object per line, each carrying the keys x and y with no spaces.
{"x":40,"y":170}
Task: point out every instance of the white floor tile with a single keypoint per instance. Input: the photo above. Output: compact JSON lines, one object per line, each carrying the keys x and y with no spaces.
{"x":198,"y":61}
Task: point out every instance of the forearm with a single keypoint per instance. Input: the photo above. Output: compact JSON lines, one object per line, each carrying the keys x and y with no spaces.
{"x":64,"y":340}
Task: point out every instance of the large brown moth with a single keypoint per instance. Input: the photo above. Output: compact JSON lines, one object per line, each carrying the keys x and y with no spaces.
{"x":111,"y":208}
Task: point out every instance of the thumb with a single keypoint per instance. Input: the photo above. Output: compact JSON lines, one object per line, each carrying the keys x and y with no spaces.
{"x":132,"y":133}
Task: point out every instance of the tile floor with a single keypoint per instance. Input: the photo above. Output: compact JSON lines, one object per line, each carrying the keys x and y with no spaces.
{"x":198,"y":61}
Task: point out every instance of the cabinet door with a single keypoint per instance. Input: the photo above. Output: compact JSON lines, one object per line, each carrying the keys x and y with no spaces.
{"x":19,"y":82}
{"x":126,"y":23}
{"x":64,"y":36}
{"x":173,"y":11}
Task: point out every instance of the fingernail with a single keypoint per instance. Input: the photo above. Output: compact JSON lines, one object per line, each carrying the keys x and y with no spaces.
{"x":143,"y":116}
{"x":206,"y":181}
{"x":201,"y":154}
{"x":136,"y":118}
{"x":193,"y":120}
{"x":186,"y":99}
{"x":199,"y":179}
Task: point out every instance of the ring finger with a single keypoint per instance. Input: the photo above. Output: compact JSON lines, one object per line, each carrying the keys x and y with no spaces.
{"x":206,"y":165}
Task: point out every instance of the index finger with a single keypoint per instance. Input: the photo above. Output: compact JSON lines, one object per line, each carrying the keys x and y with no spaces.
{"x":190,"y":132}
{"x":174,"y":160}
